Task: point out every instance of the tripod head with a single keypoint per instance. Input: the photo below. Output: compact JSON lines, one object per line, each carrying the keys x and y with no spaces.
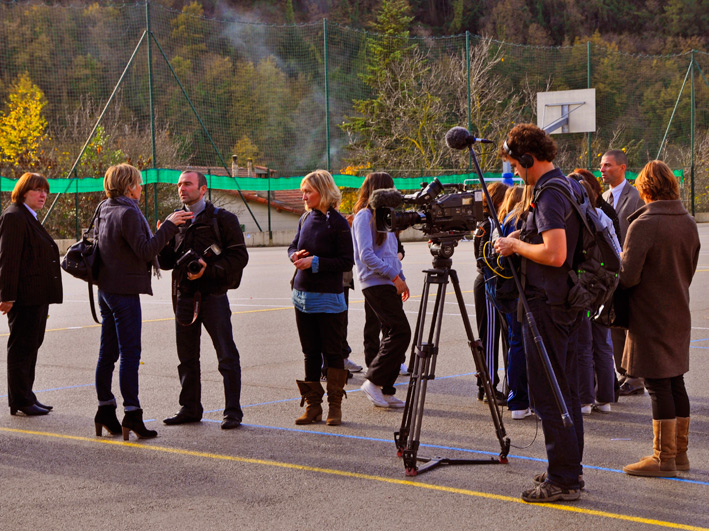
{"x":442,"y":246}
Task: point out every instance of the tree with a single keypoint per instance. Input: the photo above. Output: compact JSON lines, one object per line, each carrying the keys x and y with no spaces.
{"x":23,"y":126}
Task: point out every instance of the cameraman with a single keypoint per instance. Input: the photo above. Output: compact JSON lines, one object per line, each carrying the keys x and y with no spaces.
{"x":546,"y":244}
{"x":201,"y":276}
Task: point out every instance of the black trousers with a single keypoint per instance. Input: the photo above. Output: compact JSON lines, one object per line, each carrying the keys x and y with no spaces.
{"x":669,"y":397}
{"x":372,"y":329}
{"x":27,"y":324}
{"x":396,"y":335}
{"x":321,"y":336}
{"x":215,"y":315}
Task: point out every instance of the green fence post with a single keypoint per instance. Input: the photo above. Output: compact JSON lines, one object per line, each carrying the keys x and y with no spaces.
{"x":152,"y":111}
{"x":467,"y":69}
{"x":270,"y":231}
{"x":76,"y":210}
{"x":588,"y":75}
{"x":327,"y":94}
{"x":692,"y":125}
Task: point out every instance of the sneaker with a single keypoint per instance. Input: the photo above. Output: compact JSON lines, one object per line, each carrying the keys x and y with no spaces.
{"x":520,"y":414}
{"x":632,"y":386}
{"x":394,"y":402}
{"x":352,"y":366}
{"x":586,"y":409}
{"x":404,"y":370}
{"x":541,"y":478}
{"x":374,"y":393}
{"x":603,"y":408}
{"x":548,"y":492}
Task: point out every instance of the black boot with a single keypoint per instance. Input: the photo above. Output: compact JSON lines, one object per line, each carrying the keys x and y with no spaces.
{"x":133,"y":421}
{"x":106,"y":417}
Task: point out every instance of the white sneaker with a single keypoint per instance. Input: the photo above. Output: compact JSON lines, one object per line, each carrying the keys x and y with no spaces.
{"x":352,"y":366}
{"x":586,"y":409}
{"x":404,"y":370}
{"x":519,"y":414}
{"x":603,"y":408}
{"x":394,"y":402}
{"x":374,"y":393}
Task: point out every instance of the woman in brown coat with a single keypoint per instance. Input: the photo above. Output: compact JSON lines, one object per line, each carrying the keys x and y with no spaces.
{"x":660,"y":257}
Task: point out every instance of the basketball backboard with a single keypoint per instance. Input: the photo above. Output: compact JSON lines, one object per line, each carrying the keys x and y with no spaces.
{"x":567,"y":111}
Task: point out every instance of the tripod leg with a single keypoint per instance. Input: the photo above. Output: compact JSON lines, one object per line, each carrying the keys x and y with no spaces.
{"x":481,"y":368}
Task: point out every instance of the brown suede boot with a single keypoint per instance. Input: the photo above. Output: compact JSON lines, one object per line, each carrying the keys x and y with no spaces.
{"x":682,"y":461}
{"x":336,"y":380}
{"x":661,"y":464}
{"x":312,"y":393}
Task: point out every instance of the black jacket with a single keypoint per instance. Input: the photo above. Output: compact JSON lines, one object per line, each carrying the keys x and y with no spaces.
{"x":223,"y":271}
{"x":126,"y":247}
{"x":29,"y":260}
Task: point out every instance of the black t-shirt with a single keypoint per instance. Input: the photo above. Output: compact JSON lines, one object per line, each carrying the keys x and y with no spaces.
{"x":551,"y":211}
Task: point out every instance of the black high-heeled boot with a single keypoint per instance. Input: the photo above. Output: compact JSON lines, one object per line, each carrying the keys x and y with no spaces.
{"x":133,"y":421}
{"x":106,"y":418}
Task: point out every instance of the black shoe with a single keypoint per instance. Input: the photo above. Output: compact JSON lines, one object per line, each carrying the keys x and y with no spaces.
{"x":133,"y":422}
{"x":181,"y":418}
{"x":632,"y":386}
{"x":30,"y":411}
{"x":40,"y":404}
{"x":229,"y":423}
{"x":500,"y":397}
{"x":481,"y":394}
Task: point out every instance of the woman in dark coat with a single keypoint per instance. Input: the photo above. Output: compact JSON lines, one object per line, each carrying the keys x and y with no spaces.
{"x":660,"y":257}
{"x":321,"y":252}
{"x":30,"y":280}
{"x":128,"y":254}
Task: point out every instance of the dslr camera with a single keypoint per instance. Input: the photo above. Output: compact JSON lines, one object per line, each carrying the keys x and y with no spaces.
{"x":454,"y":213}
{"x":191,"y":258}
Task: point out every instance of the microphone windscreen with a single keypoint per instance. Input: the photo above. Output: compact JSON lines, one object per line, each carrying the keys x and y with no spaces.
{"x":459,"y":138}
{"x":385,"y":197}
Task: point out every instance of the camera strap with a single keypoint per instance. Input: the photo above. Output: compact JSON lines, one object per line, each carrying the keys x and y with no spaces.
{"x":196,"y":304}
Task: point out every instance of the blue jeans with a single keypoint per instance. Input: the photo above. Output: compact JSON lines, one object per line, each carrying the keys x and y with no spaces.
{"x":564,"y":445}
{"x":518,"y":399}
{"x":215,"y":315}
{"x":120,"y":338}
{"x":596,"y":369}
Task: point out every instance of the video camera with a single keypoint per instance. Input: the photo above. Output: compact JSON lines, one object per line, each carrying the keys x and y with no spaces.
{"x":453,"y":214}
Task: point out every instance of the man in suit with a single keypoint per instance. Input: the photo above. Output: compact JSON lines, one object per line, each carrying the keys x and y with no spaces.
{"x":624,"y":198}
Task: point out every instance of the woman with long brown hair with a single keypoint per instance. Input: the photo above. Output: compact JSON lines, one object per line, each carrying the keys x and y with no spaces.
{"x":384,"y":288}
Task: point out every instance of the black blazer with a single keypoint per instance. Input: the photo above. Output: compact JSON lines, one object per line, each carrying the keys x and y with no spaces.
{"x":29,"y":260}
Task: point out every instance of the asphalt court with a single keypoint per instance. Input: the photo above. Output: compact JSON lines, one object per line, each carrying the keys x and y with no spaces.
{"x":271,"y":474}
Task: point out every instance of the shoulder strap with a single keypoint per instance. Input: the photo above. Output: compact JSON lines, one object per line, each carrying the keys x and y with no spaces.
{"x":557,"y":184}
{"x":215,"y":225}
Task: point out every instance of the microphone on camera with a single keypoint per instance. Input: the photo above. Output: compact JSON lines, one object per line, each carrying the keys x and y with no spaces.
{"x":460,"y":138}
{"x":386,"y":197}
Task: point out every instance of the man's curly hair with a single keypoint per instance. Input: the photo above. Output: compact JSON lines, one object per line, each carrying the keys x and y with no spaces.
{"x":529,"y":139}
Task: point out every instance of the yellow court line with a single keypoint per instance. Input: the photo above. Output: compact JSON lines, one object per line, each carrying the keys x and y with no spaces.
{"x":356,"y":475}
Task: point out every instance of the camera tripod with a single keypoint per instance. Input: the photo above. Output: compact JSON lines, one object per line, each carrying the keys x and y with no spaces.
{"x":425,"y":353}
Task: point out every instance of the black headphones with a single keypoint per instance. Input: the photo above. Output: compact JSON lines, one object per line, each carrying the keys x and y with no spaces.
{"x":525,"y":160}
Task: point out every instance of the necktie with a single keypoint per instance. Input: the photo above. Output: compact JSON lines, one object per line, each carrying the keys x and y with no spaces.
{"x":610,"y":199}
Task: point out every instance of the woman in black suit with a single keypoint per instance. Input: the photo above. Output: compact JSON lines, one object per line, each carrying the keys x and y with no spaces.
{"x":30,"y":280}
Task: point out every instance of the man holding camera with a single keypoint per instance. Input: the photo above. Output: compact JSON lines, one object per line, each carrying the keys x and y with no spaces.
{"x":207,"y":257}
{"x":546,"y":244}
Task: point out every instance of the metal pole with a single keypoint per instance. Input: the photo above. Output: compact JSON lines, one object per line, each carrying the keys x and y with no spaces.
{"x":467,"y":69}
{"x":206,"y":132}
{"x":327,"y":94}
{"x":588,"y":75}
{"x":105,"y":108}
{"x":679,"y":96}
{"x":76,"y":211}
{"x":691,"y":170}
{"x":152,"y":111}
{"x":270,"y":231}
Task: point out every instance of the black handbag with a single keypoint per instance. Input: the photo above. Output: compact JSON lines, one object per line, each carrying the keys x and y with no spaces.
{"x":83,"y":259}
{"x":616,"y":314}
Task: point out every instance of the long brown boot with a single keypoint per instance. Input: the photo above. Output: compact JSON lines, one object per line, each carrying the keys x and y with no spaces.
{"x":336,"y":380}
{"x":682,"y":461}
{"x":312,"y":393}
{"x":661,"y":464}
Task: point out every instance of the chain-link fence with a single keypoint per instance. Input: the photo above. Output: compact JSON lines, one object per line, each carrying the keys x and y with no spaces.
{"x":186,"y":90}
